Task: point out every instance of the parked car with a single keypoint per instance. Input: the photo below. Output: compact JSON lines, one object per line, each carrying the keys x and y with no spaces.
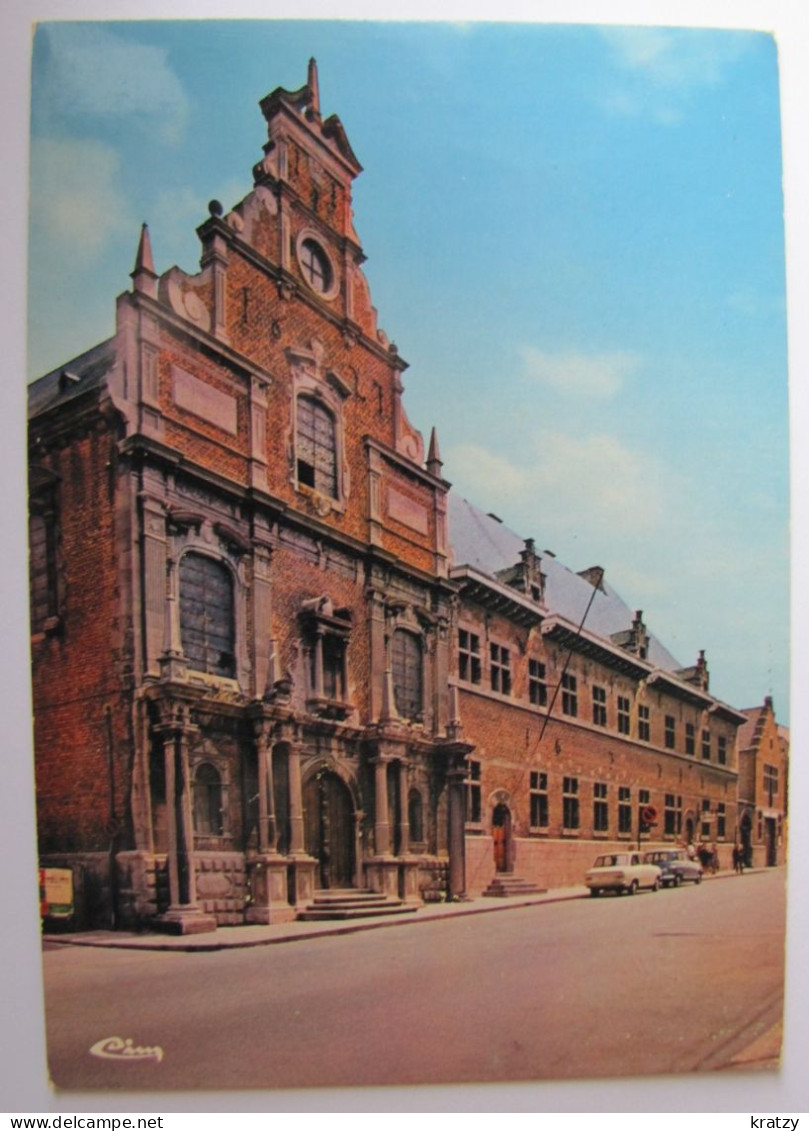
{"x":622,"y":872}
{"x":676,"y":866}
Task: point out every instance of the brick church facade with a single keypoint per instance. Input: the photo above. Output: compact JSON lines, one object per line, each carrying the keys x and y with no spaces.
{"x":273,"y":654}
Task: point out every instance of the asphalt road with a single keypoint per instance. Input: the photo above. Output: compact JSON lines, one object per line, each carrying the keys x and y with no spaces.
{"x":667,"y":982}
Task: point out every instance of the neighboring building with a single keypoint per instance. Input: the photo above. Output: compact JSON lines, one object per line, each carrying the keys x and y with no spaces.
{"x":579,"y":717}
{"x":259,"y":669}
{"x":763,"y":778}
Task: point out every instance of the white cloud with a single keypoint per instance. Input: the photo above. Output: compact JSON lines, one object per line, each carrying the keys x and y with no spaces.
{"x":659,"y":68}
{"x":92,"y":71}
{"x":675,"y":57}
{"x":77,"y":202}
{"x":579,"y":374}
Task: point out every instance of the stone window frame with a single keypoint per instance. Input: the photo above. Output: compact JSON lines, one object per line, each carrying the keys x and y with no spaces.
{"x":670,"y":732}
{"x":599,"y":706}
{"x":500,"y":673}
{"x":624,"y":717}
{"x":208,"y":758}
{"x":415,"y":806}
{"x":601,"y":810}
{"x":690,"y":746}
{"x":538,"y":816}
{"x":721,"y":820}
{"x":644,"y":723}
{"x":324,"y":626}
{"x":705,"y":744}
{"x":189,"y":632}
{"x":312,"y":380}
{"x":705,"y":818}
{"x":311,"y":236}
{"x":537,"y":683}
{"x":769,"y":782}
{"x":571,"y":807}
{"x":409,"y":632}
{"x":470,"y":658}
{"x":672,"y":814}
{"x":722,"y":749}
{"x":194,"y":533}
{"x":570,"y":695}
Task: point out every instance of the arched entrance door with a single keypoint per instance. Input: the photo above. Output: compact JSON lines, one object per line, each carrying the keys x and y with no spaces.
{"x":501,"y":837}
{"x":329,"y":829}
{"x":689,"y":830}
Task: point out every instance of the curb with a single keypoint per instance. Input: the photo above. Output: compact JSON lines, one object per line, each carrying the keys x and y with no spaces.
{"x":191,"y":943}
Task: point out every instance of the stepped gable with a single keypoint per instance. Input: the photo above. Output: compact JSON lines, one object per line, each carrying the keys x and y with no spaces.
{"x":484,"y":543}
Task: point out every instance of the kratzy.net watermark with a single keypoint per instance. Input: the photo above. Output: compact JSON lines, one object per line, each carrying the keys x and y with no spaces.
{"x":786,"y":1122}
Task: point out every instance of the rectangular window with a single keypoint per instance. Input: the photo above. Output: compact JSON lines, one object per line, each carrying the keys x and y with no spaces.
{"x":42,"y":577}
{"x":690,"y":740}
{"x":669,"y":732}
{"x":722,"y":750}
{"x":570,"y":803}
{"x":408,"y":678}
{"x":473,"y":794}
{"x":770,"y":781}
{"x":601,"y":817}
{"x":624,"y":809}
{"x":673,"y":815}
{"x":469,"y":666}
{"x":570,"y":698}
{"x":600,"y":706}
{"x":623,"y":715}
{"x":643,"y":723}
{"x":537,"y":687}
{"x":706,"y":745}
{"x":539,"y":799}
{"x":500,"y":669}
{"x":721,"y":821}
{"x":316,"y":447}
{"x":644,"y":798}
{"x":705,"y":826}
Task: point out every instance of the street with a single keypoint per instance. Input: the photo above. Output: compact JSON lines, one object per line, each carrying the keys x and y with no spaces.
{"x":667,"y":982}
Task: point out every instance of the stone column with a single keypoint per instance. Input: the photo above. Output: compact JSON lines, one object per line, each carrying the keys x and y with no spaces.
{"x":268,"y":871}
{"x":184,"y":916}
{"x":381,"y":822}
{"x":403,"y":814}
{"x":456,"y":778}
{"x":303,"y":865}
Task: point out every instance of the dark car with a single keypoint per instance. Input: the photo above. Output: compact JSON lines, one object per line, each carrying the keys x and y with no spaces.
{"x":675,"y":865}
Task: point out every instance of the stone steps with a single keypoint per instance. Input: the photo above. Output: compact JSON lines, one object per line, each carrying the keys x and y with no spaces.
{"x":350,"y":903}
{"x":505,"y":884}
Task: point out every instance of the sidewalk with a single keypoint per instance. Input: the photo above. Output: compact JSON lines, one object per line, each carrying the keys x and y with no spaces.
{"x":227,"y":938}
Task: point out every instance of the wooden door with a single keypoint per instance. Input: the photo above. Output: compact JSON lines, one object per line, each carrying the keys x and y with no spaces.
{"x":501,"y":829}
{"x":329,"y":829}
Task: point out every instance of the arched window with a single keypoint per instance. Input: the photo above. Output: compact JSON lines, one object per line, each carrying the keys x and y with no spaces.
{"x":206,"y":615}
{"x":316,"y":447}
{"x":406,"y":665}
{"x":208,"y":819}
{"x":415,"y":816}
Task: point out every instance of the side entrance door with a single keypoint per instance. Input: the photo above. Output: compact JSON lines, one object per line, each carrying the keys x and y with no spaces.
{"x":501,"y":836}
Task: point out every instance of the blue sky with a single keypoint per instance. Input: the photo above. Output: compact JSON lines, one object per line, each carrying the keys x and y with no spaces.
{"x":574,"y":235}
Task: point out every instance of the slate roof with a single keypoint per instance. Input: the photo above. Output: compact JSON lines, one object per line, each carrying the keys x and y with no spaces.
{"x":485,"y":544}
{"x":73,"y":379}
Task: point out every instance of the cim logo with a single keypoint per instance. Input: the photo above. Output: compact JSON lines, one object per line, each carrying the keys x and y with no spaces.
{"x":116,"y":1048}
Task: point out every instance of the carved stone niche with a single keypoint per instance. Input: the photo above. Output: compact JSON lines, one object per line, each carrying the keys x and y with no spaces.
{"x":326,"y":632}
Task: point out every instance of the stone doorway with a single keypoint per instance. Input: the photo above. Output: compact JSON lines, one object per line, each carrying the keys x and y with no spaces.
{"x":329,"y":829}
